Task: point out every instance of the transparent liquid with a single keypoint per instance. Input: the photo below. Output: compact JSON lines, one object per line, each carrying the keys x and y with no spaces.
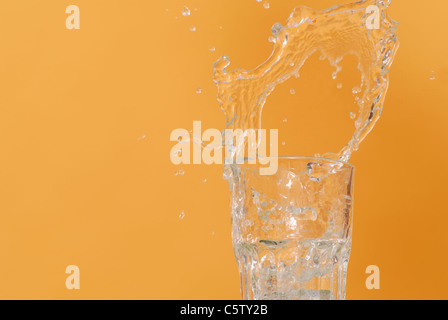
{"x":334,"y":33}
{"x":293,"y":270}
{"x":292,"y":231}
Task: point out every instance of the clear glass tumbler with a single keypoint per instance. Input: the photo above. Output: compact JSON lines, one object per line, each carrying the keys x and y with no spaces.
{"x":292,"y":231}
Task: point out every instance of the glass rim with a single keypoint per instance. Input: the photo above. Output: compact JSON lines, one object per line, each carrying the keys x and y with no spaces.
{"x":329,"y":160}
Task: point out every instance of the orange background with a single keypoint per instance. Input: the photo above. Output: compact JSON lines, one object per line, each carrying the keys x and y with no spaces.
{"x":86,"y":178}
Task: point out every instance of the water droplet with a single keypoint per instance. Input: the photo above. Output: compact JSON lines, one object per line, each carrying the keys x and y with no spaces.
{"x":339,"y":85}
{"x":220,"y":27}
{"x":182,"y":215}
{"x":276,"y":28}
{"x":266,"y":5}
{"x":432,"y":76}
{"x":186,"y":11}
{"x":283,"y":143}
{"x":181,"y":172}
{"x":285,"y":120}
{"x":334,"y":75}
{"x":292,"y":91}
{"x":212,"y":49}
{"x":204,"y":180}
{"x":356,"y":90}
{"x":192,"y":28}
{"x":292,"y":64}
{"x":198,"y":90}
{"x":352,"y":115}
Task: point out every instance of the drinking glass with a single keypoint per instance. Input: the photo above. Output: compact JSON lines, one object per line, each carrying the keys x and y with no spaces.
{"x":292,"y":230}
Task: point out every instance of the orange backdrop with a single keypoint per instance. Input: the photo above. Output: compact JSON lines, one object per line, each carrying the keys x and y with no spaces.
{"x":86,"y":177}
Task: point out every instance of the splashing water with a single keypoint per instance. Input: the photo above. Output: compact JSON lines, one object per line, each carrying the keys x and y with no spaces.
{"x":335,"y":33}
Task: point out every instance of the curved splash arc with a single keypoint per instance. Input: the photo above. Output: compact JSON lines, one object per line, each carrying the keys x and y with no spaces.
{"x":335,"y":32}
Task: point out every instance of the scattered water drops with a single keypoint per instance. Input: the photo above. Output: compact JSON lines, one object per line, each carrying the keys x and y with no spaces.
{"x":334,"y":75}
{"x":186,"y":11}
{"x":266,"y":5}
{"x":356,"y":90}
{"x":212,"y":49}
{"x":292,"y":64}
{"x":283,"y":143}
{"x":182,"y":215}
{"x":285,"y":120}
{"x":352,"y":115}
{"x":179,"y":173}
{"x":292,"y":91}
{"x":142,"y":137}
{"x":198,"y":90}
{"x":339,"y":85}
{"x":204,"y":180}
{"x":192,"y":28}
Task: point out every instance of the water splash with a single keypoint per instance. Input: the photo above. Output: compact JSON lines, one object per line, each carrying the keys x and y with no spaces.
{"x":335,"y":32}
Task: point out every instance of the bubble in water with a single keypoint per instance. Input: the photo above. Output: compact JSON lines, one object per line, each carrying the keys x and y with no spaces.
{"x":212,"y":49}
{"x":204,"y":180}
{"x":283,"y":143}
{"x":334,"y":75}
{"x":285,"y":120}
{"x":266,"y":5}
{"x":179,"y":173}
{"x":192,"y":28}
{"x":182,"y":215}
{"x":292,"y":91}
{"x":339,"y":85}
{"x":198,"y":90}
{"x":352,"y":115}
{"x":186,"y":11}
